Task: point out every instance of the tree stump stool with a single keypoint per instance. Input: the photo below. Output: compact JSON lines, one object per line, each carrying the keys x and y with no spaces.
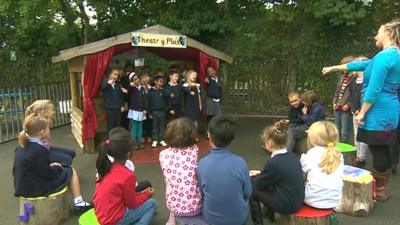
{"x":51,"y":210}
{"x":348,"y":151}
{"x":308,"y":215}
{"x":88,"y":218}
{"x":357,"y":198}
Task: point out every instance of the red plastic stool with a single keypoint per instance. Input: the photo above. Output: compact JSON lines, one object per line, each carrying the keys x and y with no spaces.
{"x":308,"y":215}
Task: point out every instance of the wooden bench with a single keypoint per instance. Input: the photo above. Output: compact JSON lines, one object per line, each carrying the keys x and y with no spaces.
{"x":308,"y":215}
{"x":51,"y":210}
{"x":357,"y":197}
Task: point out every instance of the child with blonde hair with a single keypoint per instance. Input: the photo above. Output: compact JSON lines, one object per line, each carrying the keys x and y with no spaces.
{"x":323,"y":166}
{"x":34,"y":174}
{"x":45,"y":107}
{"x":179,"y":164}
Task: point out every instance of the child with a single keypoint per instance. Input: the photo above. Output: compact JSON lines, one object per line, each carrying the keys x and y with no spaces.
{"x":56,"y":154}
{"x":192,"y":102}
{"x":223,"y":177}
{"x":115,"y":199}
{"x":34,"y":174}
{"x":214,"y":94}
{"x":323,"y":167}
{"x":113,"y":99}
{"x":137,"y":109}
{"x":179,"y":164}
{"x":148,"y":122}
{"x":312,"y":111}
{"x":341,"y":104}
{"x":295,"y":111}
{"x":355,"y":88}
{"x":173,"y":91}
{"x":280,"y":185}
{"x":158,"y":109}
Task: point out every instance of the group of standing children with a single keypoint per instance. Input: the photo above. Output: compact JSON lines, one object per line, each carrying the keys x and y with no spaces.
{"x":151,"y":106}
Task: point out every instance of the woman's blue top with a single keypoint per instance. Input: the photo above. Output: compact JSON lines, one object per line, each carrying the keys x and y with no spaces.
{"x":381,"y":82}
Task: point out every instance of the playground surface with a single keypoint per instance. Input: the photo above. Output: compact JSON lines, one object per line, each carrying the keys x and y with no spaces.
{"x":247,"y":144}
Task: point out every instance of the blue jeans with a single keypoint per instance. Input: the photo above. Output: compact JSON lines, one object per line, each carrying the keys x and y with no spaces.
{"x":141,"y":215}
{"x":344,"y":124}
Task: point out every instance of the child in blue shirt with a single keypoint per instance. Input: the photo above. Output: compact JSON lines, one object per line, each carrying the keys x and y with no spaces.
{"x":224,"y":177}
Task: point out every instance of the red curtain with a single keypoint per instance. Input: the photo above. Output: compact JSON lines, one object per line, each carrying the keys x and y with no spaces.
{"x":95,"y":68}
{"x":204,"y":62}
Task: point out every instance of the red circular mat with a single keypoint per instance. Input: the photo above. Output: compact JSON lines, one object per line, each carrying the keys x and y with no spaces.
{"x":150,"y":155}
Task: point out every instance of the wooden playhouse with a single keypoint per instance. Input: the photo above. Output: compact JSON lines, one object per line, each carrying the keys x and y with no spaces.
{"x":88,"y":63}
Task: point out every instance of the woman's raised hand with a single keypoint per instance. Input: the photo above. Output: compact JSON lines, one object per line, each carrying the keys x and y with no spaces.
{"x":327,"y":70}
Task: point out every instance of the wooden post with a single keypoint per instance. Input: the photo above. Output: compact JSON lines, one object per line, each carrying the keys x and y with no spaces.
{"x":309,"y":216}
{"x":74,"y":90}
{"x":51,"y":210}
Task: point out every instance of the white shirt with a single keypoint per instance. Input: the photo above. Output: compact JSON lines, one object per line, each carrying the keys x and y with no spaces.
{"x":321,"y":190}
{"x":280,"y":151}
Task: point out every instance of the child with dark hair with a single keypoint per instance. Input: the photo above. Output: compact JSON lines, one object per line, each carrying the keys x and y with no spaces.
{"x":179,"y":164}
{"x":115,"y":199}
{"x":280,"y":185}
{"x":214,"y":94}
{"x":224,"y":177}
{"x":313,"y":111}
{"x":137,"y":109}
{"x":34,"y":174}
{"x":157,"y":110}
{"x":174,"y":97}
{"x":113,"y":99}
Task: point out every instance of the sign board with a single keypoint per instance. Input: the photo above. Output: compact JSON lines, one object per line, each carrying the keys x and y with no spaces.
{"x":158,"y":40}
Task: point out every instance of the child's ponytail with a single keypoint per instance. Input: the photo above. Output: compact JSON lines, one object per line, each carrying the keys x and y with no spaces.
{"x":325,"y":134}
{"x":33,"y":124}
{"x":330,"y":160}
{"x":103,"y":163}
{"x":118,"y":146}
{"x":277,"y":133}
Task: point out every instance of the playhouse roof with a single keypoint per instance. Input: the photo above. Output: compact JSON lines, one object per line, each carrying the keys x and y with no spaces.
{"x":100,"y":45}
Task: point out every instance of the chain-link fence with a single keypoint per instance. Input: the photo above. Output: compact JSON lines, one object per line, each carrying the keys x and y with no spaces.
{"x":15,"y":99}
{"x":272,"y":64}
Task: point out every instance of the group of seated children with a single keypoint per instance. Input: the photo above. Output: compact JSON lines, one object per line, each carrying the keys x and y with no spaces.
{"x":304,"y":111}
{"x":41,"y":169}
{"x":150,"y":106}
{"x":286,"y":182}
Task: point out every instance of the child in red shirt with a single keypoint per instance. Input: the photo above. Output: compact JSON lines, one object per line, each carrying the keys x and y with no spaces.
{"x":115,"y":199}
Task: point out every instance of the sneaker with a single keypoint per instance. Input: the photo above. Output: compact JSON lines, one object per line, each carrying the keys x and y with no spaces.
{"x":359,"y":163}
{"x":154,"y":144}
{"x":79,"y":210}
{"x":141,"y":146}
{"x":163,"y":143}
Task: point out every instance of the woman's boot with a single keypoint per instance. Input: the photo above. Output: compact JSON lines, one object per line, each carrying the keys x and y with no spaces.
{"x":382,"y":185}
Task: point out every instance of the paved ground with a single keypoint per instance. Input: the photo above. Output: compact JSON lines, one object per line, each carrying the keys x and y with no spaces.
{"x":246,"y":144}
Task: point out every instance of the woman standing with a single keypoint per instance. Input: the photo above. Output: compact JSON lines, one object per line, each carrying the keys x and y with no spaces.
{"x":378,"y":117}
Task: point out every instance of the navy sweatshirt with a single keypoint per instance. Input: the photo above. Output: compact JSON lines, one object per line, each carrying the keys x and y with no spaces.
{"x":113,"y":96}
{"x":295,"y":114}
{"x":282,"y":175}
{"x":137,"y":99}
{"x":214,"y":88}
{"x":33,"y":176}
{"x":315,"y":113}
{"x":157,"y":100}
{"x":225,"y":186}
{"x":177,"y":91}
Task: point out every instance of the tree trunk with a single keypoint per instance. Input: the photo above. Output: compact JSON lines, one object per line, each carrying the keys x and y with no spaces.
{"x":85,"y":21}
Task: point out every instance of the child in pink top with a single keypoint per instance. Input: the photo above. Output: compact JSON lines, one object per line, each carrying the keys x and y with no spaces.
{"x":178,"y":164}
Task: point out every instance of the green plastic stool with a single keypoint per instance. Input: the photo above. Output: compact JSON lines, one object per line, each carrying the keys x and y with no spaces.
{"x":348,"y":151}
{"x":88,"y":218}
